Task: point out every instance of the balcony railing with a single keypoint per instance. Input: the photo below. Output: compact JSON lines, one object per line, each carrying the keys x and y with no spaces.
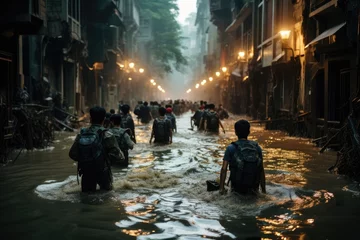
{"x":315,"y":4}
{"x":75,"y":28}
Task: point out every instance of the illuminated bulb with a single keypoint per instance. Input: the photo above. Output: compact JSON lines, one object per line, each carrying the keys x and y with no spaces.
{"x":197,"y":86}
{"x":217,"y":74}
{"x":141,"y":70}
{"x":241,"y":54}
{"x":152,"y":80}
{"x":130,"y":79}
{"x":224,"y":69}
{"x":285,"y":34}
{"x":131,"y":65}
{"x":210,"y":79}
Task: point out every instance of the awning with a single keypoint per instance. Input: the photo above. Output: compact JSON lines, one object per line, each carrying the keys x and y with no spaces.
{"x":236,"y":72}
{"x":326,"y":34}
{"x":245,"y":11}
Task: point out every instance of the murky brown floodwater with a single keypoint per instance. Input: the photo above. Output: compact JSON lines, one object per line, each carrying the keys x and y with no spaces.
{"x":162,"y":195}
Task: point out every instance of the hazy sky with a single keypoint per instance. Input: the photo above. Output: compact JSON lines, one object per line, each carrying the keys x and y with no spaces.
{"x":186,"y":7}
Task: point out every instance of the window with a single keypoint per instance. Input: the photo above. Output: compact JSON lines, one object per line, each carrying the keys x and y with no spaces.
{"x":74,"y":9}
{"x":260,"y":24}
{"x":268,"y":19}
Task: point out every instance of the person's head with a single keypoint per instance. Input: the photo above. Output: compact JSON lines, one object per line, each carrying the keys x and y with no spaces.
{"x":116,"y":119}
{"x":162,"y":111}
{"x":220,"y":106}
{"x":107,"y":115}
{"x":140,"y":102}
{"x":211,"y":106}
{"x":97,"y":115}
{"x":207,"y":106}
{"x":169,"y":110}
{"x":168,"y":106}
{"x":146,"y":103}
{"x":112,"y":111}
{"x":125,"y":109}
{"x":242,"y":128}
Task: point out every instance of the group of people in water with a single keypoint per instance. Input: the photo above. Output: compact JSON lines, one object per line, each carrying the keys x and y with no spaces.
{"x":110,"y":136}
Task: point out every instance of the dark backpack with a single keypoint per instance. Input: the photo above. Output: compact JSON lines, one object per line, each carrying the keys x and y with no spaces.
{"x":91,"y":151}
{"x":212,"y":121}
{"x":124,"y":121}
{"x":120,"y":139}
{"x":246,"y":165}
{"x":160,"y":129}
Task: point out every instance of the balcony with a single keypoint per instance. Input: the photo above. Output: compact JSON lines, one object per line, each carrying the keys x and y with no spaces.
{"x":23,"y":16}
{"x":75,"y":28}
{"x":321,"y":6}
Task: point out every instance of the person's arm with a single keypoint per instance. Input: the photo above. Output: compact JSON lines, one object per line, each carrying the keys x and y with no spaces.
{"x":262,"y":172}
{"x":152,"y":132}
{"x":73,"y":153}
{"x":220,"y":123}
{"x":132,"y":128}
{"x":170,"y":132}
{"x":204,"y":122}
{"x":223,"y":176}
{"x":128,"y":141}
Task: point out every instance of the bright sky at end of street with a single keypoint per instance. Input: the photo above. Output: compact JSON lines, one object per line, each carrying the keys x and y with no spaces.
{"x":185,"y":8}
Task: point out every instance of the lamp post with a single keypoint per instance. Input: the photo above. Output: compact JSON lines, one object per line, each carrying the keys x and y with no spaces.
{"x":217,"y":74}
{"x":285,"y":35}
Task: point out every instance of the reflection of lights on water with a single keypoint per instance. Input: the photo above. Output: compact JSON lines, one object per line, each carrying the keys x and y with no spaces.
{"x":135,"y":233}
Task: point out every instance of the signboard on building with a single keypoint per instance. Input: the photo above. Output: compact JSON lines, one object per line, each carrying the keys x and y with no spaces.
{"x":145,"y":31}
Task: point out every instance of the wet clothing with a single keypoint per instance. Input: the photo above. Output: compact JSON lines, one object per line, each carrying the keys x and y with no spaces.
{"x":212,"y":121}
{"x":197,"y":118}
{"x":162,"y":129}
{"x":223,"y":114}
{"x":231,"y":155}
{"x":124,"y":142}
{"x":172,"y":118}
{"x":127,"y":122}
{"x":155,"y":111}
{"x":99,"y":173}
{"x":145,"y":114}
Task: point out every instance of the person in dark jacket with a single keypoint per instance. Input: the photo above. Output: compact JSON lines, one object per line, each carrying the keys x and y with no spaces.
{"x":99,"y":173}
{"x":127,"y":121}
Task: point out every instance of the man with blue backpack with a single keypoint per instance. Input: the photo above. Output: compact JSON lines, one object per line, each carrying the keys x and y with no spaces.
{"x":245,"y":161}
{"x":94,"y":149}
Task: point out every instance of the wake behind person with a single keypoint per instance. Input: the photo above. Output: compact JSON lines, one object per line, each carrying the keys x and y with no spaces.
{"x":162,"y":129}
{"x":245,"y":161}
{"x":94,"y":149}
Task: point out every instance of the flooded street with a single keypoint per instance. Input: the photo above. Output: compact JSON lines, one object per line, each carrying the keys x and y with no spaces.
{"x":162,"y":195}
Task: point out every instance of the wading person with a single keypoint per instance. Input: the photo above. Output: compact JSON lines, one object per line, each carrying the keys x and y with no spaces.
{"x":169,"y":115}
{"x":161,"y":130}
{"x":94,"y":149}
{"x":212,"y":121}
{"x":145,"y":113}
{"x":245,"y":161}
{"x":122,"y":137}
{"x":127,"y":121}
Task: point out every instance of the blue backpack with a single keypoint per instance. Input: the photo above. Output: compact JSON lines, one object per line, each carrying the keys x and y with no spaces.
{"x":91,"y":151}
{"x":245,"y":168}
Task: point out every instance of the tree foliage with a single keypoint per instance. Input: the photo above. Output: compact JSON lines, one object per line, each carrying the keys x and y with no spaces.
{"x":166,"y":45}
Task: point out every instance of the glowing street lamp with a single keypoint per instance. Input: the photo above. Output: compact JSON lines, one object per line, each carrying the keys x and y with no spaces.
{"x":131,"y":65}
{"x":130,"y":79}
{"x":285,"y":34}
{"x":197,"y":85}
{"x":210,"y":79}
{"x":141,"y":70}
{"x":152,"y":80}
{"x":217,"y":74}
{"x":224,"y":69}
{"x":241,"y":54}
{"x":154,"y":83}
